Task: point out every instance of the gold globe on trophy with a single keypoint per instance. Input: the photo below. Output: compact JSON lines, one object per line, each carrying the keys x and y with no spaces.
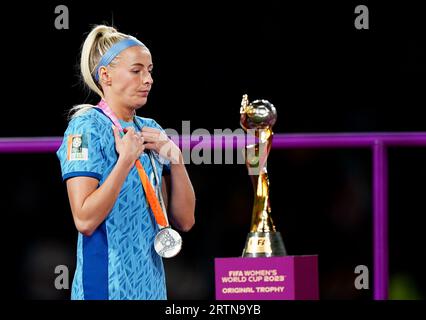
{"x":258,"y":118}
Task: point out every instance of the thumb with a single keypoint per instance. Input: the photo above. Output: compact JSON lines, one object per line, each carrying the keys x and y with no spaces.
{"x":116,"y":133}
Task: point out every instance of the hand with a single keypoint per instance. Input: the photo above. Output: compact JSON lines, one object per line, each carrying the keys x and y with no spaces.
{"x":131,"y":146}
{"x":158,"y":141}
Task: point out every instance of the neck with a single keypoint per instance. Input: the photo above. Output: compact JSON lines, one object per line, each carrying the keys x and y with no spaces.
{"x":122,"y":112}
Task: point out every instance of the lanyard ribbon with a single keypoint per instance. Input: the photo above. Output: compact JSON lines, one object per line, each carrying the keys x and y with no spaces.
{"x":156,"y":208}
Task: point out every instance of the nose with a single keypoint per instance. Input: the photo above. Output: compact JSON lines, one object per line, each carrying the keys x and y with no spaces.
{"x":147,"y":78}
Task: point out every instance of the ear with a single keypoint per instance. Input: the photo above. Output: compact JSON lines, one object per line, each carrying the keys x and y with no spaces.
{"x":104,"y":75}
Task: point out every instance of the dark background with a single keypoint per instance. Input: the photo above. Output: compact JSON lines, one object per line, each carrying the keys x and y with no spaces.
{"x":307,"y":58}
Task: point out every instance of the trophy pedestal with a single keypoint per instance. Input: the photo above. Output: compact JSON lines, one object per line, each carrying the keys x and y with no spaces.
{"x":273,"y":278}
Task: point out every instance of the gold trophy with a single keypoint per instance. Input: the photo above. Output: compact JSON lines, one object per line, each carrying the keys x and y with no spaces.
{"x":258,"y":118}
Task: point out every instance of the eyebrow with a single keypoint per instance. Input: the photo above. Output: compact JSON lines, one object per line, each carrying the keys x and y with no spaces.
{"x":140,"y":64}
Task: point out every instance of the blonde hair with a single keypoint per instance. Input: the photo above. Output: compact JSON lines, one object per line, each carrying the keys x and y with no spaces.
{"x":97,"y":42}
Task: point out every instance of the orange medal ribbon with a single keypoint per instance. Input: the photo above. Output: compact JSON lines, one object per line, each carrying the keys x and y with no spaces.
{"x":151,"y":196}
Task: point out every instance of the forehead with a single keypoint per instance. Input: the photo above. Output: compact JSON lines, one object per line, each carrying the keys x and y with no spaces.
{"x":136,"y":54}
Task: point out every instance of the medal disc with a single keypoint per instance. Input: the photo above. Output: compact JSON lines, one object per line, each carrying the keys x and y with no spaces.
{"x":167,"y":242}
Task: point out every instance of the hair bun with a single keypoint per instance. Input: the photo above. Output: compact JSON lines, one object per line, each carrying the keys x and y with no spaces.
{"x":103,"y":30}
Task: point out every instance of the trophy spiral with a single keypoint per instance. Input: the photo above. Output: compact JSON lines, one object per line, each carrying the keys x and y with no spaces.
{"x":258,"y":118}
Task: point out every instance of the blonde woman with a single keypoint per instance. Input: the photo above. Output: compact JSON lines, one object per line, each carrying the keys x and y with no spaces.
{"x":106,"y":153}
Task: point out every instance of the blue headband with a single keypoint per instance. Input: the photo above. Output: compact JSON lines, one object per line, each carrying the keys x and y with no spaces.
{"x":114,"y":51}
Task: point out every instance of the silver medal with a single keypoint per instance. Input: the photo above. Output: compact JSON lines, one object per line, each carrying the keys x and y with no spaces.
{"x":167,"y":242}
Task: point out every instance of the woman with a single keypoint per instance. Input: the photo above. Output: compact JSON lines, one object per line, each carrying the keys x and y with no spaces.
{"x":112,"y":209}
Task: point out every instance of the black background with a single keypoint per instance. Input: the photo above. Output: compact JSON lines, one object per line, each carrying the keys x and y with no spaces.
{"x":307,"y":58}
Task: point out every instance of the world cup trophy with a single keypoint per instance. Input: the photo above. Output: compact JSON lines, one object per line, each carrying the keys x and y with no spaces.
{"x":258,"y":118}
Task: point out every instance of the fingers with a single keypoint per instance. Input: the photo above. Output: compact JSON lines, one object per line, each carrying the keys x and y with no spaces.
{"x":154,"y":132}
{"x":131,"y":130}
{"x":149,"y":136}
{"x":139,"y":135}
{"x":141,"y":145}
{"x":149,"y":129}
{"x":116,"y":133}
{"x":131,"y":144}
{"x":150,"y":145}
{"x":133,"y":137}
{"x":154,"y":136}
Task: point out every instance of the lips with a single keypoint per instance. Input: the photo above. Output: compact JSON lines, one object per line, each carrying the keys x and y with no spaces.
{"x":143,"y":93}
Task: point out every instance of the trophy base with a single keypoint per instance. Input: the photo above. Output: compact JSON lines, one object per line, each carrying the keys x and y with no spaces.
{"x":264,"y":244}
{"x":294,"y":278}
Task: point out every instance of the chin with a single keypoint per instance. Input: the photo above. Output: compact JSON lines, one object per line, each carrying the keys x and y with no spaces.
{"x":140,"y":102}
